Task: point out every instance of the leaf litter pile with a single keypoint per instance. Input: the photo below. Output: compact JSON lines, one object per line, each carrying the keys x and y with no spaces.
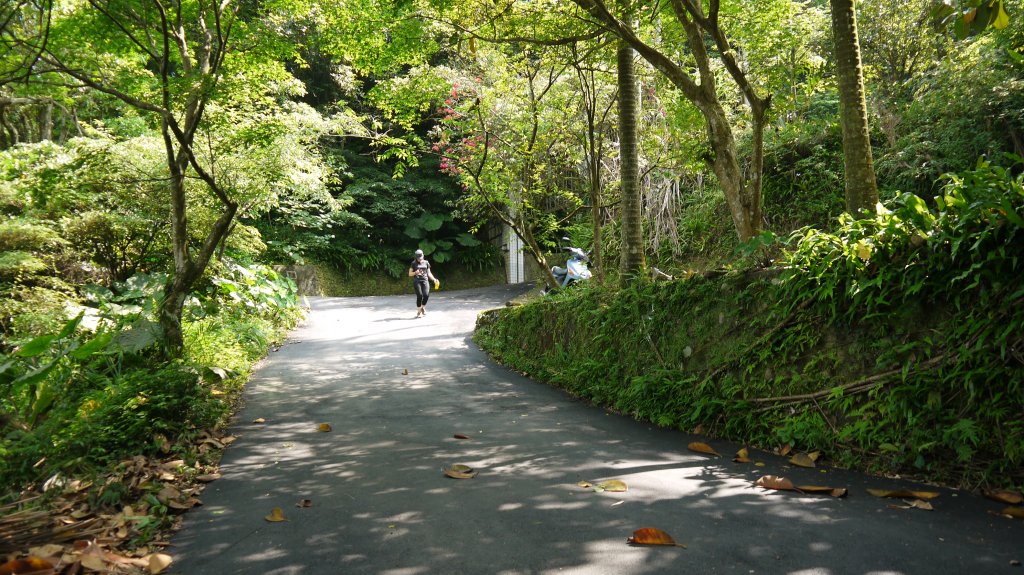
{"x":62,"y":527}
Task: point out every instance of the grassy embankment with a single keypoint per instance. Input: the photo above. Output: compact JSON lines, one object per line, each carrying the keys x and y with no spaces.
{"x":893,"y":345}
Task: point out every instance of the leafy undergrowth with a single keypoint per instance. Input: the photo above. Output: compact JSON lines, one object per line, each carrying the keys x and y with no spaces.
{"x":103,"y":442}
{"x":356,"y":284}
{"x":893,"y":345}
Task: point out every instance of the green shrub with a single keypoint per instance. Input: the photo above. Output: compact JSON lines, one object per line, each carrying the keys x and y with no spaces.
{"x":26,"y":312}
{"x":22,"y":235}
{"x":18,"y":264}
{"x":123,"y":417}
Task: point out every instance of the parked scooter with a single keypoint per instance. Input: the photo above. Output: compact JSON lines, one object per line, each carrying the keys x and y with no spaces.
{"x":575,"y":270}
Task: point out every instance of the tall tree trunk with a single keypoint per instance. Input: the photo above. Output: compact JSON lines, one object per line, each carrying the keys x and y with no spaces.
{"x":861,"y":188}
{"x":632,"y":259}
{"x":594,"y":166}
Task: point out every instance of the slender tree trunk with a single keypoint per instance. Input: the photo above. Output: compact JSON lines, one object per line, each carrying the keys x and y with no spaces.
{"x":187,"y":269}
{"x":632,"y":259}
{"x":861,"y":188}
{"x":594,"y":167}
{"x":46,"y":121}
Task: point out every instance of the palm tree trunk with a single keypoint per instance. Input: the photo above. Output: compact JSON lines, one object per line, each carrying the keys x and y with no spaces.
{"x":632,"y":258}
{"x":861,"y":188}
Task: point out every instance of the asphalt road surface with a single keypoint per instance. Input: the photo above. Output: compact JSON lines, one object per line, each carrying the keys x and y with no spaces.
{"x":396,"y":391}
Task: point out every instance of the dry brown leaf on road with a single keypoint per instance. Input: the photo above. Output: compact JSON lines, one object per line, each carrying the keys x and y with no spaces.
{"x":915,"y":504}
{"x":904,"y":493}
{"x":324,"y":427}
{"x":1013,"y":511}
{"x":775,"y":482}
{"x":742,"y":456}
{"x":460,"y":436}
{"x":701,"y":447}
{"x":460,"y":471}
{"x":1004,"y":496}
{"x":259,"y":420}
{"x":207,"y":478}
{"x":276,"y":515}
{"x":614,"y":485}
{"x":652,"y":536}
{"x":305,"y":503}
{"x":831,"y":491}
{"x":803,"y":460}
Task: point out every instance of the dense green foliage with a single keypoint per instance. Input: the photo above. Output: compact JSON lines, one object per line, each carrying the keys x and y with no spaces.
{"x":892,"y":343}
{"x":346,"y":145}
{"x":78,"y":400}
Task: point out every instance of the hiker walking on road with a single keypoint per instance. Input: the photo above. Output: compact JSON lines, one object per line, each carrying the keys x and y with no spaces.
{"x":419,"y":271}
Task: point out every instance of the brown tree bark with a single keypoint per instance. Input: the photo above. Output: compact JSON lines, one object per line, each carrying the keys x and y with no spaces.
{"x":632,"y":260}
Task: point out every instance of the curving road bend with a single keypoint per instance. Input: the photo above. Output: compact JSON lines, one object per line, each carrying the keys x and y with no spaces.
{"x":396,"y":390}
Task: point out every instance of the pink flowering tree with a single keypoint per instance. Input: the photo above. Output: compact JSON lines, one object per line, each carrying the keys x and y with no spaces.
{"x":506,"y":136}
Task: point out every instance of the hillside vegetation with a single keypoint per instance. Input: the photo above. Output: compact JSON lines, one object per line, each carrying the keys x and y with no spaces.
{"x":894,"y":344}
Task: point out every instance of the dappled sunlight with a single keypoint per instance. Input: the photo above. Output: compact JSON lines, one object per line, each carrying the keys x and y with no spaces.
{"x":403,"y":403}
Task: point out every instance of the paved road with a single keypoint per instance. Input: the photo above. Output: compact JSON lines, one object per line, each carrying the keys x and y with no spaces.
{"x":381,"y":505}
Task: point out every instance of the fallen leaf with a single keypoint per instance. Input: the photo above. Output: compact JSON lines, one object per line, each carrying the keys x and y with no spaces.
{"x":324,"y":427}
{"x":1004,"y":496}
{"x":208,"y":477}
{"x":405,"y":371}
{"x":276,"y":515}
{"x":832,"y":491}
{"x":585,"y":484}
{"x":259,"y":420}
{"x":1013,"y":511}
{"x":305,"y":503}
{"x":613,"y":485}
{"x":27,"y":566}
{"x":784,"y":450}
{"x":168,"y":493}
{"x":460,"y":436}
{"x":459,"y":471}
{"x":915,"y":504}
{"x":742,"y":456}
{"x":652,"y":536}
{"x":814,"y":455}
{"x":183,"y":505}
{"x":157,"y":562}
{"x":775,"y":482}
{"x":94,"y":562}
{"x":701,"y":447}
{"x":904,"y":493}
{"x":50,"y":550}
{"x":802,"y":459}
{"x":699,"y":430}
{"x":760,"y":464}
